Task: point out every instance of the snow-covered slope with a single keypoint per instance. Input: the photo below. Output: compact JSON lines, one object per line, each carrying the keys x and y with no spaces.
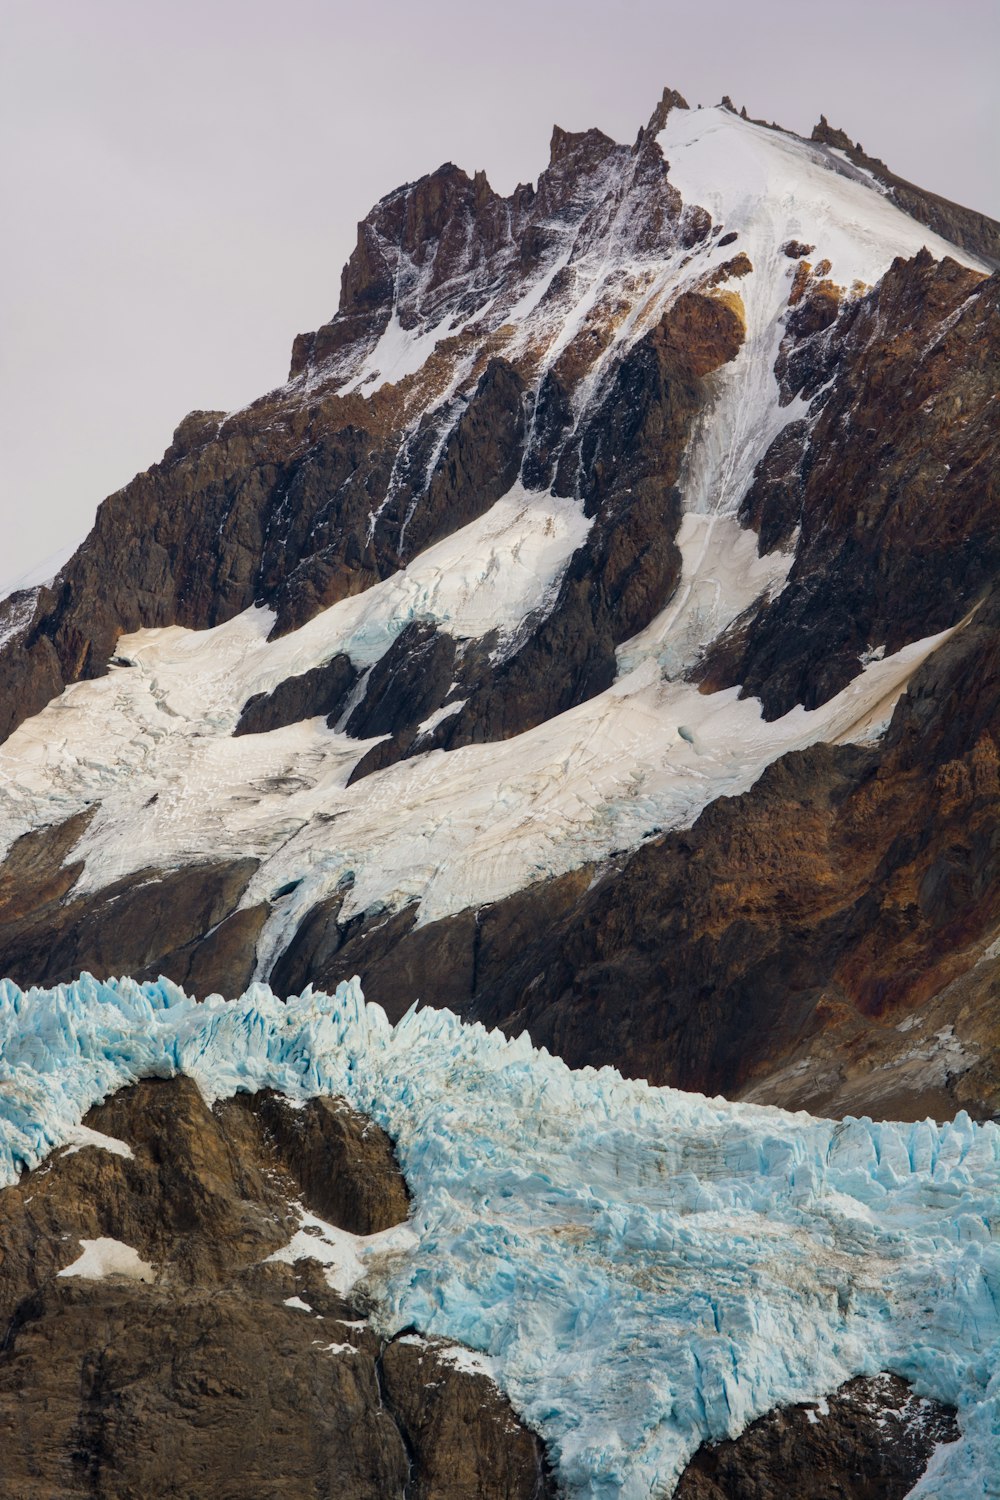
{"x":770,"y":188}
{"x":447,"y":830}
{"x":647,"y":754}
{"x":641,"y":1268}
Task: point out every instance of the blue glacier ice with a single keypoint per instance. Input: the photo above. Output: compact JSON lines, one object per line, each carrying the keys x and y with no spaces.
{"x":643,"y":1268}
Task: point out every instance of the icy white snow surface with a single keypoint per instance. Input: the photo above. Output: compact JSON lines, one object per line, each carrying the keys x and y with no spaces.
{"x":641,"y":1268}
{"x":769,"y":187}
{"x":445,"y":829}
{"x":106,"y":1257}
{"x":82,"y":1135}
{"x":345,"y":1256}
{"x":43,"y":572}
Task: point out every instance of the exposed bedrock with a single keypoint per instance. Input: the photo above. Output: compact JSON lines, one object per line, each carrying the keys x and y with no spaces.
{"x":316,"y":491}
{"x":893,"y":484}
{"x":181,"y":922}
{"x":821,"y":941}
{"x":870,"y":1440}
{"x":624,"y":463}
{"x":322,"y":690}
{"x":192,"y":1373}
{"x":274,"y":507}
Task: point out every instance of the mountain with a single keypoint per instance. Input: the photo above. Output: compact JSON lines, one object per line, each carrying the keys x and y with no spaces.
{"x":597,"y":636}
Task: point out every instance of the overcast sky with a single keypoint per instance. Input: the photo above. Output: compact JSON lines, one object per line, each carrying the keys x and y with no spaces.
{"x":181,"y":181}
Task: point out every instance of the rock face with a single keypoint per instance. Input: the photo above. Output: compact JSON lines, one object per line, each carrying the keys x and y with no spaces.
{"x":204,"y":1368}
{"x":317,"y":491}
{"x":870,"y":1440}
{"x":179,"y":921}
{"x":880,"y":560}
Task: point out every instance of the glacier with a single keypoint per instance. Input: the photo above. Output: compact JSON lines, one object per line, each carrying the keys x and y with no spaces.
{"x":640,"y":1268}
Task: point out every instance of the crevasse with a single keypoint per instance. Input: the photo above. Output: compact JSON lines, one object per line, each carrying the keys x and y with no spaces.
{"x":644,"y":1268}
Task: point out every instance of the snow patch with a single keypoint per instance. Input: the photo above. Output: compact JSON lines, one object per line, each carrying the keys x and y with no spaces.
{"x":344,"y":1256}
{"x":297,"y":1303}
{"x":82,"y":1135}
{"x":106,"y":1257}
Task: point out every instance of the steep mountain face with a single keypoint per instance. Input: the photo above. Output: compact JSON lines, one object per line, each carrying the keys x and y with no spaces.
{"x":589,"y":504}
{"x":597,"y":635}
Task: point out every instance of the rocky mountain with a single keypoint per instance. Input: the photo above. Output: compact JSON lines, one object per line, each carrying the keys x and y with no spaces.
{"x":598,"y":636}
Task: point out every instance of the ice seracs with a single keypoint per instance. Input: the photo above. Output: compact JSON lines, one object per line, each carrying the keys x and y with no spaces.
{"x":640,"y":1268}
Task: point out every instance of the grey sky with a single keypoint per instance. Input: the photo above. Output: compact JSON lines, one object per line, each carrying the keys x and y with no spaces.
{"x":181,"y":180}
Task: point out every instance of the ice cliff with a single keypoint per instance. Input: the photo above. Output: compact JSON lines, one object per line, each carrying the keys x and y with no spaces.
{"x":641,"y":1268}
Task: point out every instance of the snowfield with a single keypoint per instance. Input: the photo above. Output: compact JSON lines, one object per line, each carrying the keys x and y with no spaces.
{"x":639,"y":1268}
{"x":446,"y":829}
{"x":469,"y":827}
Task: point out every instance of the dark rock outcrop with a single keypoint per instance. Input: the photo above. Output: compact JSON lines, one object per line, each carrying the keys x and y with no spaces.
{"x":893,"y":483}
{"x":183,"y":923}
{"x":199,"y":1375}
{"x":321,"y":690}
{"x":870,"y":1440}
{"x":625,"y":463}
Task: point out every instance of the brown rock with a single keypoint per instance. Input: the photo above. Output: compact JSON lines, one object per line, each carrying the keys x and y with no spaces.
{"x":204,"y":1380}
{"x":870,"y":1440}
{"x":460,"y":1426}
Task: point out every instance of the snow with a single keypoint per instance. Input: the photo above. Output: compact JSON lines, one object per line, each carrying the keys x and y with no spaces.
{"x":106,"y":1257}
{"x":486,"y":576}
{"x":19,"y":614}
{"x":344,"y":1256}
{"x":297,"y":1303}
{"x":43,"y":572}
{"x":82,"y":1135}
{"x":399,"y":352}
{"x":721,"y":575}
{"x":769,"y":187}
{"x":446,"y":830}
{"x":440,"y":714}
{"x":863,"y":173}
{"x":642,"y":1269}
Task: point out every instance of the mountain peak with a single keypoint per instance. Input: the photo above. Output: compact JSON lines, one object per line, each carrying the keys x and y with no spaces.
{"x":669,"y":99}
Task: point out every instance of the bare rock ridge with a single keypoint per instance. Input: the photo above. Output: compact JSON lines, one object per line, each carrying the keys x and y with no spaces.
{"x":199,"y":1366}
{"x":963,"y":226}
{"x":320,"y":489}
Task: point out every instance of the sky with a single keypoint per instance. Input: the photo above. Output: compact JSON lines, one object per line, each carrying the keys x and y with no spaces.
{"x":182,"y":180}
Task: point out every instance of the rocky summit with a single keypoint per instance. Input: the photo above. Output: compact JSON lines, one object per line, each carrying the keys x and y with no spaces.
{"x":594,"y":646}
